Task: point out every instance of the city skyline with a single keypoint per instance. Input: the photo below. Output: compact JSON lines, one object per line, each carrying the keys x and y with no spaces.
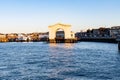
{"x":36,"y":15}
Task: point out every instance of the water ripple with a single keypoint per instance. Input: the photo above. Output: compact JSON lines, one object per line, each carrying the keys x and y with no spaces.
{"x":41,"y":61}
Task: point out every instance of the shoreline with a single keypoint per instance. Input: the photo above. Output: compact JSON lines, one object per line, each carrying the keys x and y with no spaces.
{"x":105,"y":40}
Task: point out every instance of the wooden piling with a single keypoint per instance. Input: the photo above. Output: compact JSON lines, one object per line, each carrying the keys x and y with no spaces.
{"x":119,"y":45}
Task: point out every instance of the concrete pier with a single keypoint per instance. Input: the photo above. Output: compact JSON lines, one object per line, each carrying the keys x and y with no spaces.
{"x":62,"y":41}
{"x":118,"y":40}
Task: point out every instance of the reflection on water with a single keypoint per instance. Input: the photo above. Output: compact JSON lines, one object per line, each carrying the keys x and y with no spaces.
{"x":69,"y":45}
{"x":53,"y":44}
{"x":66,"y":45}
{"x":60,"y":58}
{"x":40,"y":61}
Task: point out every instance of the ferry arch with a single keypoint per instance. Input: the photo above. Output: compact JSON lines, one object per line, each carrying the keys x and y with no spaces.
{"x":68,"y":34}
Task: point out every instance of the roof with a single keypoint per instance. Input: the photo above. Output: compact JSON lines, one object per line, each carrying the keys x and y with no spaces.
{"x":66,"y":25}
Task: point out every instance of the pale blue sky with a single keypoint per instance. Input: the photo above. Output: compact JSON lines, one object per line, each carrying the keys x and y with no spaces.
{"x":37,"y":15}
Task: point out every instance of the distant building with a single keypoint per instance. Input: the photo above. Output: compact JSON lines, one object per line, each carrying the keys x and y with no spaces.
{"x":115,"y":27}
{"x":104,"y":32}
{"x":81,"y":35}
{"x":115,"y":31}
{"x":95,"y":32}
{"x":44,"y":35}
{"x":12,"y":37}
{"x":99,"y":33}
{"x":3,"y":38}
{"x":22,"y":37}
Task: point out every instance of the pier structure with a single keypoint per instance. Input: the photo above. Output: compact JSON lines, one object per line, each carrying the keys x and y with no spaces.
{"x":119,"y":45}
{"x":118,"y":40}
{"x":65,"y":34}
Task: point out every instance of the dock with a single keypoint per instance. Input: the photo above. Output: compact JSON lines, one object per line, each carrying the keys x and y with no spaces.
{"x":62,"y":40}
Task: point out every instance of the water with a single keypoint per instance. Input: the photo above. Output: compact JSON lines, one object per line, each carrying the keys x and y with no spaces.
{"x":42,"y":61}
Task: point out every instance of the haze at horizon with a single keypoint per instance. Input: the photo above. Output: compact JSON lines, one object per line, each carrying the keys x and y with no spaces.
{"x":37,"y":15}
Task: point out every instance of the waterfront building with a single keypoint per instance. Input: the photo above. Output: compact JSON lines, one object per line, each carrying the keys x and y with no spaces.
{"x":12,"y":37}
{"x":68,"y":36}
{"x":3,"y":38}
{"x":115,"y":31}
{"x":22,"y":37}
{"x":95,"y":33}
{"x":104,"y":32}
{"x":43,"y":36}
{"x":79,"y":35}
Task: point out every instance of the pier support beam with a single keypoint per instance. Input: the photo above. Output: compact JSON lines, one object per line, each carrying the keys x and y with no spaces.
{"x":119,"y":45}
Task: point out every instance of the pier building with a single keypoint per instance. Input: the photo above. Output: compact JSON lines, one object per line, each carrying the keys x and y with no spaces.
{"x":61,"y":33}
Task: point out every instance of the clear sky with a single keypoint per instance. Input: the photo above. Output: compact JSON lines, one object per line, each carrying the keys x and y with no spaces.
{"x":37,"y":15}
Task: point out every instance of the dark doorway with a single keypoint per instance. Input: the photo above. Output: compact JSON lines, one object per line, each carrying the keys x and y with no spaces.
{"x":60,"y":35}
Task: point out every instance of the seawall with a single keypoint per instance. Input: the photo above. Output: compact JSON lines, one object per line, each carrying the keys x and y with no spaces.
{"x":108,"y":40}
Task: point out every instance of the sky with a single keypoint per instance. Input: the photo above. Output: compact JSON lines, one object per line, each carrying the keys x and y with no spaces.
{"x":36,"y":15}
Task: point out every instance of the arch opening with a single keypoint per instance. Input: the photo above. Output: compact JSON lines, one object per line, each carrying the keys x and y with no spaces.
{"x":60,"y":34}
